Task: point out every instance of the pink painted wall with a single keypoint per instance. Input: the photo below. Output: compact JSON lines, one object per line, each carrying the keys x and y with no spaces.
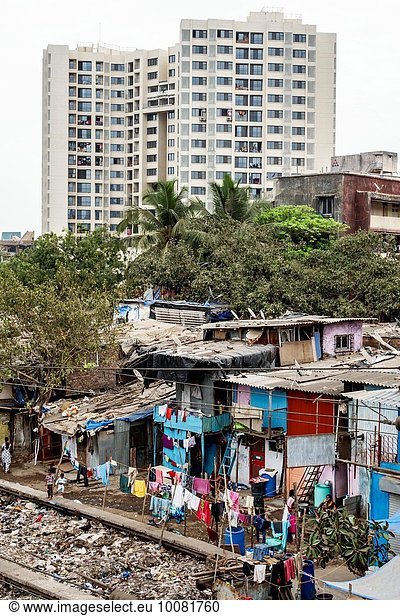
{"x":341,"y":329}
{"x":244,"y":395}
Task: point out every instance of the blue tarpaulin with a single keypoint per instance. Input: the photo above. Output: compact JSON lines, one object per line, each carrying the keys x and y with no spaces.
{"x":97,"y":425}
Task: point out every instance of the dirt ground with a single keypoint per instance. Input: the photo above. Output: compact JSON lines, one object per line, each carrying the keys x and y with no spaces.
{"x":34,"y":476}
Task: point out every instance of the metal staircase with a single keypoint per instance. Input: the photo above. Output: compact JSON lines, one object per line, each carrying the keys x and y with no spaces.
{"x":229,"y":457}
{"x":307,"y":482}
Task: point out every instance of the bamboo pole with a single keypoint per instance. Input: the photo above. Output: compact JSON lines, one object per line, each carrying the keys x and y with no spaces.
{"x":106,"y":486}
{"x":145,"y":496}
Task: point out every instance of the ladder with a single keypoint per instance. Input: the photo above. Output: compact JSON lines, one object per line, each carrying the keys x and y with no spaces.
{"x":307,"y":482}
{"x":229,"y":456}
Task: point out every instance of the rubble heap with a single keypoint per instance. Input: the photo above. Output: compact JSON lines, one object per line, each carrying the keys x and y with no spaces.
{"x":92,"y":557}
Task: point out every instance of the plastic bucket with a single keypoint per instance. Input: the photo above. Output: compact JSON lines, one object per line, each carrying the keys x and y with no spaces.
{"x":237,"y":535}
{"x":321,"y":491}
{"x":270,"y":486}
{"x":307,"y":581}
{"x":324,"y":596}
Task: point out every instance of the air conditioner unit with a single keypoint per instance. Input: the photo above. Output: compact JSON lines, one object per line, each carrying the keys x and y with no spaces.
{"x":229,"y":119}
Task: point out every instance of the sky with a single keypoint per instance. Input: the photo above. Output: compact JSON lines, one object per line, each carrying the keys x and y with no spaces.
{"x":368,"y":61}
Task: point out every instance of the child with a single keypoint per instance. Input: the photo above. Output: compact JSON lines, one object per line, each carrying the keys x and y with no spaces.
{"x":50,"y":482}
{"x":60,"y":483}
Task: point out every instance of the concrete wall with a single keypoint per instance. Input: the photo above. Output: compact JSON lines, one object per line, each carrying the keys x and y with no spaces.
{"x":365,"y":162}
{"x":353,"y":328}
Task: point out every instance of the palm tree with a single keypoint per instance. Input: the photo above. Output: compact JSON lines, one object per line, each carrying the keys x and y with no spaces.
{"x":232,"y":201}
{"x":165,"y":221}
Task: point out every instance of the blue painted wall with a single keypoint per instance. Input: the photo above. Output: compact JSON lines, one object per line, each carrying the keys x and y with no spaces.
{"x":379,"y":500}
{"x":259,"y":398}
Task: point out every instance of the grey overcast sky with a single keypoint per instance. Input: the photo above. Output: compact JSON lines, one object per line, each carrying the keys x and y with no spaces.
{"x":368,"y":84}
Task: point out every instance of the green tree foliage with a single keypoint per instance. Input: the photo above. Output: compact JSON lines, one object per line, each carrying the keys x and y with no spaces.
{"x":301,"y":225}
{"x":333,"y":534}
{"x":56,"y":307}
{"x":166,"y":220}
{"x":231,"y":201}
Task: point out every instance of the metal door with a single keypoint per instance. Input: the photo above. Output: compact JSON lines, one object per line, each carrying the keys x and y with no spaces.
{"x":394,"y":508}
{"x":257,"y":456}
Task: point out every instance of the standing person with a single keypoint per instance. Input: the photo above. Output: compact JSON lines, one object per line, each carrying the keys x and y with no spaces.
{"x":6,"y":454}
{"x":60,"y":484}
{"x":49,"y":481}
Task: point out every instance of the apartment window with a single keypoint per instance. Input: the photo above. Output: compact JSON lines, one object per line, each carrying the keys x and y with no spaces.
{"x":117,"y":134}
{"x":72,"y":146}
{"x":72,"y":105}
{"x":299,"y":38}
{"x":84,"y":201}
{"x":241,"y":162}
{"x":84,"y":66}
{"x":241,"y":146}
{"x":198,"y":190}
{"x":199,"y":33}
{"x":224,"y":81}
{"x":172,"y":59}
{"x":85,"y":79}
{"x":117,"y":67}
{"x":276,"y":36}
{"x":72,"y":132}
{"x":83,"y":214}
{"x":299,"y":85}
{"x":274,"y":160}
{"x":71,"y":214}
{"x":99,"y":107}
{"x":151,"y":158}
{"x":275,"y":51}
{"x":84,"y":187}
{"x":256,"y":69}
{"x":242,"y":37}
{"x":84,"y":106}
{"x":241,"y":115}
{"x":225,"y":34}
{"x":198,"y":143}
{"x":273,"y":174}
{"x":150,"y":62}
{"x":255,"y":116}
{"x":223,"y":143}
{"x":152,"y":75}
{"x":325,"y":205}
{"x":275,"y":83}
{"x":151,"y":130}
{"x":223,"y":160}
{"x":171,"y":143}
{"x":299,"y":68}
{"x":226,"y":49}
{"x":199,"y":96}
{"x":256,"y":54}
{"x":256,"y":84}
{"x":274,"y":67}
{"x":242,"y":69}
{"x":224,"y":96}
{"x":224,"y":128}
{"x":198,"y":159}
{"x":255,"y":146}
{"x":255,"y":100}
{"x":171,"y":156}
{"x":171,"y":72}
{"x":149,"y":172}
{"x":199,"y":81}
{"x":116,"y":174}
{"x":344,"y":343}
{"x":84,"y":92}
{"x":113,"y":160}
{"x":255,"y":132}
{"x":298,"y":115}
{"x":242,"y":53}
{"x":299,"y":53}
{"x":72,"y":64}
{"x":84,"y":161}
{"x":298,"y":100}
{"x":198,"y":175}
{"x":117,"y":147}
{"x":256,"y":38}
{"x":274,"y":145}
{"x":224,"y":112}
{"x":117,"y":81}
{"x":171,"y":115}
{"x":241,"y":131}
{"x":71,"y":159}
{"x":297,"y":162}
{"x":199,"y":49}
{"x":171,"y":170}
{"x":84,"y":133}
{"x":72,"y":173}
{"x":241,"y":84}
{"x":71,"y":186}
{"x":114,"y":120}
{"x":298,"y":146}
{"x":224,"y":66}
{"x":99,"y":67}
{"x":271,"y":129}
{"x":241,"y":100}
{"x":116,"y":214}
{"x":298,"y":130}
{"x":72,"y":91}
{"x":241,"y":177}
{"x":275,"y":113}
{"x":199,"y":128}
{"x":199,"y":66}
{"x":255,"y":162}
{"x":116,"y":187}
{"x":116,"y":201}
{"x":219,"y":175}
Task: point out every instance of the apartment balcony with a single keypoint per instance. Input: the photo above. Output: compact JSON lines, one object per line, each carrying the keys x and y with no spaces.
{"x":195,"y":423}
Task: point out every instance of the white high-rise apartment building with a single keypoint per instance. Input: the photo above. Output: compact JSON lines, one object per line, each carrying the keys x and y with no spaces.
{"x":255,"y":99}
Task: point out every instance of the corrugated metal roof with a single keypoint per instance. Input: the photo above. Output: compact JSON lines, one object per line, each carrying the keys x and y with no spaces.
{"x":389,"y":397}
{"x":214,"y":350}
{"x":289,"y":380}
{"x":369,"y":377}
{"x":283,"y":322}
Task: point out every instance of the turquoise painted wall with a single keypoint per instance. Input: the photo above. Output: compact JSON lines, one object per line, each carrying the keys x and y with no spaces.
{"x":259,"y":398}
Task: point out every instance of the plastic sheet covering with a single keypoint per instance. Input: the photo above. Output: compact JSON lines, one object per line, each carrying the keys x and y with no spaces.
{"x":383,"y":584}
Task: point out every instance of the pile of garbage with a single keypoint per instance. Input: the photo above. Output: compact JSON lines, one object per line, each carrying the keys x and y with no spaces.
{"x":93,"y":557}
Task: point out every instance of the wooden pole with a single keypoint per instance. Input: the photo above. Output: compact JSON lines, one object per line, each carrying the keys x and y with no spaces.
{"x":296,"y":508}
{"x":60,"y":460}
{"x":145,"y":496}
{"x":300,"y":567}
{"x":106,"y":486}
